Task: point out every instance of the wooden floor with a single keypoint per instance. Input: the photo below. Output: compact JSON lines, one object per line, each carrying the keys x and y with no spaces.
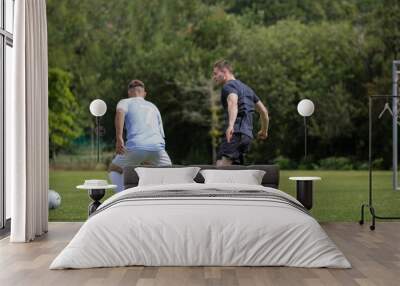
{"x":375,"y":257}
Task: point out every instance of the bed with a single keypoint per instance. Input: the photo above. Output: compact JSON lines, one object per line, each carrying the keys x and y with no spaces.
{"x":198,"y":224}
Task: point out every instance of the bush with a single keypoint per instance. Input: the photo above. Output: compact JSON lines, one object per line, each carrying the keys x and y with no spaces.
{"x":285,"y":163}
{"x":83,"y":158}
{"x":361,"y":166}
{"x":308,"y":163}
{"x":336,"y":163}
{"x":378,"y":164}
{"x":307,"y":166}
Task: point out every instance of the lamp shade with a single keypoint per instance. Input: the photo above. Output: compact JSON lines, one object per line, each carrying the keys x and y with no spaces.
{"x":305,"y":107}
{"x":98,"y":107}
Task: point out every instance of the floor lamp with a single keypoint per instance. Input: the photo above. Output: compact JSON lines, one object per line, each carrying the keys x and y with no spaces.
{"x":98,"y":108}
{"x":305,"y":109}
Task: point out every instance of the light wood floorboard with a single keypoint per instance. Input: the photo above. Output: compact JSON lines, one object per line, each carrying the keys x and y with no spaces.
{"x":374,"y":255}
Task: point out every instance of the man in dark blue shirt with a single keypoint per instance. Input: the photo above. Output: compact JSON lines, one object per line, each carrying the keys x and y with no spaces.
{"x":239,"y":102}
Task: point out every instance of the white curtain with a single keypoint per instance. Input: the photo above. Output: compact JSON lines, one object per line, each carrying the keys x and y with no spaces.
{"x":27,"y":124}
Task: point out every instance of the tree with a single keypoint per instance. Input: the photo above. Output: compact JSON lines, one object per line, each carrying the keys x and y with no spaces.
{"x":290,"y":61}
{"x":333,"y":52}
{"x":64,"y":125}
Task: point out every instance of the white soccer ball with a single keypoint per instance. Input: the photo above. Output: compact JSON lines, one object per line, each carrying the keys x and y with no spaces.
{"x":54,"y":199}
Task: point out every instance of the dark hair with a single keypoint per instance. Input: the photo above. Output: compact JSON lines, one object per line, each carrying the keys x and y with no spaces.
{"x":223,"y":64}
{"x":134,"y":83}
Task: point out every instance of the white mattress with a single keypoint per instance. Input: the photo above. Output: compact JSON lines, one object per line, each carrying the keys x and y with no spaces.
{"x":191,"y":231}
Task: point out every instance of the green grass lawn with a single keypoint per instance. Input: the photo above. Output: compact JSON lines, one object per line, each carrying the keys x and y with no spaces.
{"x":337,"y":197}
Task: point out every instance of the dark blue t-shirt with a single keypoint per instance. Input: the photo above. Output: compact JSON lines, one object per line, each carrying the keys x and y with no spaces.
{"x":246,"y":102}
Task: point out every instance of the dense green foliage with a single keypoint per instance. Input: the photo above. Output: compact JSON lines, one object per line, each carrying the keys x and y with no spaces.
{"x":63,"y":114}
{"x":333,"y":52}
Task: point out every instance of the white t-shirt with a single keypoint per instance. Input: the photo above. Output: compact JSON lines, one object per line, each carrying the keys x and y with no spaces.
{"x":143,"y":124}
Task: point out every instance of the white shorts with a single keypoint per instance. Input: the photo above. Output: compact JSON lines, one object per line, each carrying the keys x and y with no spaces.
{"x":137,"y":157}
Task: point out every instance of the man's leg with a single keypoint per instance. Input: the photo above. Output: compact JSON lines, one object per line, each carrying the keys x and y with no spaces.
{"x":117,"y":179}
{"x":228,"y":153}
{"x":159,"y":158}
{"x":244,"y":147}
{"x":119,"y":162}
{"x":115,"y":172}
{"x":224,"y":161}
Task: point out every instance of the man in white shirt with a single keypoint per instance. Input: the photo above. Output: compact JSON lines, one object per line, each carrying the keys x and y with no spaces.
{"x":144,"y":133}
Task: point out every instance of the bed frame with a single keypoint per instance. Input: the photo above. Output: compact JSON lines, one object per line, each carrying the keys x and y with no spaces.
{"x":270,"y":179}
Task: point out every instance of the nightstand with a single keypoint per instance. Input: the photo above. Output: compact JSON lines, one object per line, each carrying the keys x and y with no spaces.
{"x":304,"y":190}
{"x":96,"y":190}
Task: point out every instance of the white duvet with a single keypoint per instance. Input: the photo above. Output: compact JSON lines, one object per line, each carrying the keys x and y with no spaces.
{"x":200,"y":231}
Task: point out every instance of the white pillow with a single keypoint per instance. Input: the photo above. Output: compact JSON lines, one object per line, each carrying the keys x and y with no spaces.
{"x":165,"y":176}
{"x":249,"y":177}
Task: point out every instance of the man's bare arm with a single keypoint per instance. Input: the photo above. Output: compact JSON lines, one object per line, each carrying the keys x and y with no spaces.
{"x":262,"y":110}
{"x":119,"y":127}
{"x":232,"y":112}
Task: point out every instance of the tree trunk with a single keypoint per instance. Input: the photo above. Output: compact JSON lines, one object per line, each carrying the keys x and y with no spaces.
{"x":214,"y":128}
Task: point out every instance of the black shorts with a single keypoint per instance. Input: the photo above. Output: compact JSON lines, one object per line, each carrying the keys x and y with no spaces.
{"x":239,"y":145}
